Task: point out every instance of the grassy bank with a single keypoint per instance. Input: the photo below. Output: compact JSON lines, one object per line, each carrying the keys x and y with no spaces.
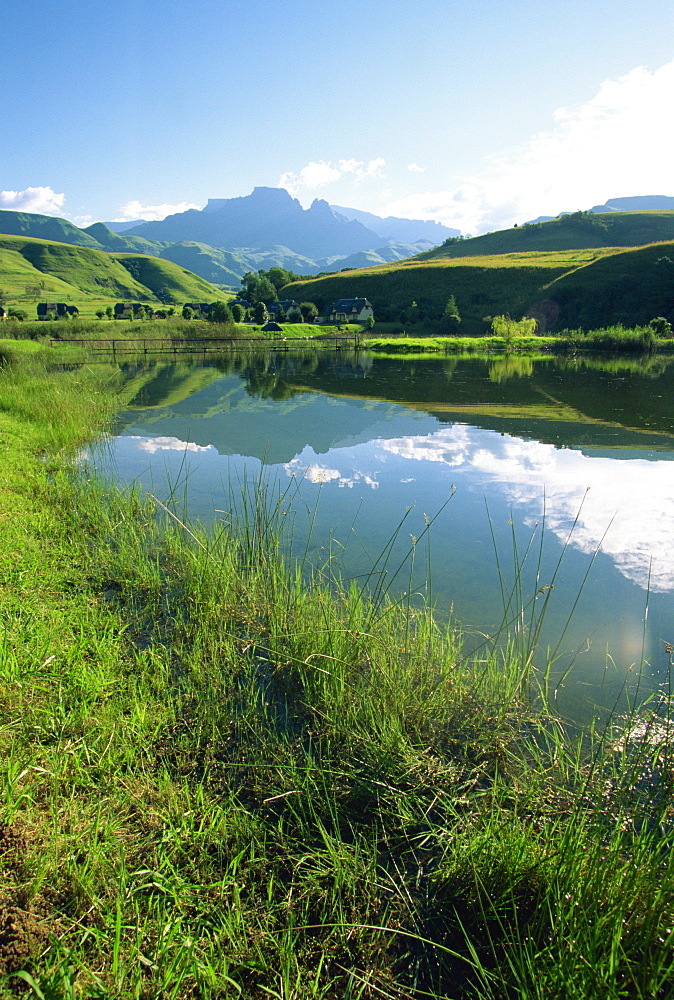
{"x":228,"y":777}
{"x":640,"y":339}
{"x":84,"y":338}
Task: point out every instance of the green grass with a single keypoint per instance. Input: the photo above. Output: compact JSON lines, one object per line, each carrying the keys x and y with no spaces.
{"x":615,"y":338}
{"x":227,"y":776}
{"x":458,"y":345}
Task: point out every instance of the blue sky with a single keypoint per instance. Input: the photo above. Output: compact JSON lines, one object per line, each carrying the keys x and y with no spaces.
{"x":477,"y":114}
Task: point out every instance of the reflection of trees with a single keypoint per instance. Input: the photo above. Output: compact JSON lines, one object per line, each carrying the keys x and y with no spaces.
{"x":511,"y":366}
{"x":649,"y":367}
{"x":449,"y":367}
{"x":275,"y":375}
{"x":266,"y":384}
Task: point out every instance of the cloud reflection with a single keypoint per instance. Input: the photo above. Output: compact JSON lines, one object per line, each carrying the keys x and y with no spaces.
{"x":155,"y":444}
{"x":627,"y":505}
{"x":319,"y":474}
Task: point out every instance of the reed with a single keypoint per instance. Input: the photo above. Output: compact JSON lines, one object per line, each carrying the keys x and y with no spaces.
{"x":228,"y":774}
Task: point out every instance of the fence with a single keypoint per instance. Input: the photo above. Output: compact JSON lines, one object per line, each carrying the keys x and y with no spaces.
{"x":166,"y":345}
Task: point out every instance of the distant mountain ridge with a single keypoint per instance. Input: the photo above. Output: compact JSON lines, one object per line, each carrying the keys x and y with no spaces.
{"x":395,"y":230}
{"x":267,"y":216}
{"x":637,"y":203}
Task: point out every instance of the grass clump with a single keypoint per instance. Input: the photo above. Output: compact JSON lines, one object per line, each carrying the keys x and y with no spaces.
{"x":228,"y":776}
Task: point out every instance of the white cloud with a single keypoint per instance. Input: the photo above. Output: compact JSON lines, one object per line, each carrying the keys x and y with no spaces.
{"x":618,"y":143}
{"x":414,"y":168}
{"x":42,"y":200}
{"x":363,"y":171}
{"x":152,"y":445}
{"x":152,"y":213}
{"x":318,"y":173}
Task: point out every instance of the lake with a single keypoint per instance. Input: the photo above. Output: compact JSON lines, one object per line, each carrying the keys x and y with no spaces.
{"x":562,"y":467}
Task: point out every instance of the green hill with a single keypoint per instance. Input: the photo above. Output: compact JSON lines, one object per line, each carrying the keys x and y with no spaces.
{"x":591,"y":287}
{"x":579,"y":230}
{"x":108,"y":240}
{"x":628,"y":287}
{"x":44,"y":227}
{"x":168,"y":281}
{"x":33,"y":270}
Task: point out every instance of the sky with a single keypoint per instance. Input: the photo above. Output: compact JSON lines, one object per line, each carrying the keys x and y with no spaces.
{"x":478,"y":115}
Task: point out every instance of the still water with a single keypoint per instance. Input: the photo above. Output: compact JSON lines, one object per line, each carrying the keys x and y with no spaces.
{"x":567,"y":460}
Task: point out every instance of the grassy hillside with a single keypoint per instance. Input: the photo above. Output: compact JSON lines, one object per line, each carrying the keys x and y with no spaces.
{"x":482,"y":286}
{"x":576,"y":231}
{"x":168,"y":281}
{"x":33,"y":270}
{"x":590,"y":288}
{"x":629,"y":287}
{"x":111,"y":241}
{"x":45,"y":227}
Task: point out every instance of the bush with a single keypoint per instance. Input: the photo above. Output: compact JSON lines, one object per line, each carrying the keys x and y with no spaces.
{"x":660,"y":326}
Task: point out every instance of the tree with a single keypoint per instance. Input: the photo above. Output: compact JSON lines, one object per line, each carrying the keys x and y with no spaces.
{"x":660,"y":326}
{"x":187,"y":312}
{"x":279,"y":277}
{"x":100,"y":313}
{"x":280,"y":315}
{"x":256,"y":287}
{"x":109,"y":312}
{"x":260,"y":314}
{"x":309,"y":311}
{"x":220,"y":313}
{"x":450,"y":317}
{"x":238,"y":313}
{"x":504,"y":326}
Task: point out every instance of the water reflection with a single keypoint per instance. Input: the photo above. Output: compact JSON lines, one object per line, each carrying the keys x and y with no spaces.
{"x":583,"y":446}
{"x":626,"y":505}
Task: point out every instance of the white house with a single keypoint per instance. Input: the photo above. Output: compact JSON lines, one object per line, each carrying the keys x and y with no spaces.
{"x":349,"y":311}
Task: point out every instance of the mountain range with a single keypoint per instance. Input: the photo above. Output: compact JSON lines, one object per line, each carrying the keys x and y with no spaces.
{"x":231,"y":236}
{"x":272,"y":217}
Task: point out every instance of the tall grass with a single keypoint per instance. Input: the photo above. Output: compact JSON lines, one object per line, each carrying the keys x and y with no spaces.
{"x":227,"y":775}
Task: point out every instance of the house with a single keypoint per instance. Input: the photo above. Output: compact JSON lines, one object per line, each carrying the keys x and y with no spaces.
{"x":349,"y":311}
{"x":271,"y":327}
{"x":291,"y":309}
{"x":130,"y":310}
{"x":199,"y":309}
{"x":55,"y":310}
